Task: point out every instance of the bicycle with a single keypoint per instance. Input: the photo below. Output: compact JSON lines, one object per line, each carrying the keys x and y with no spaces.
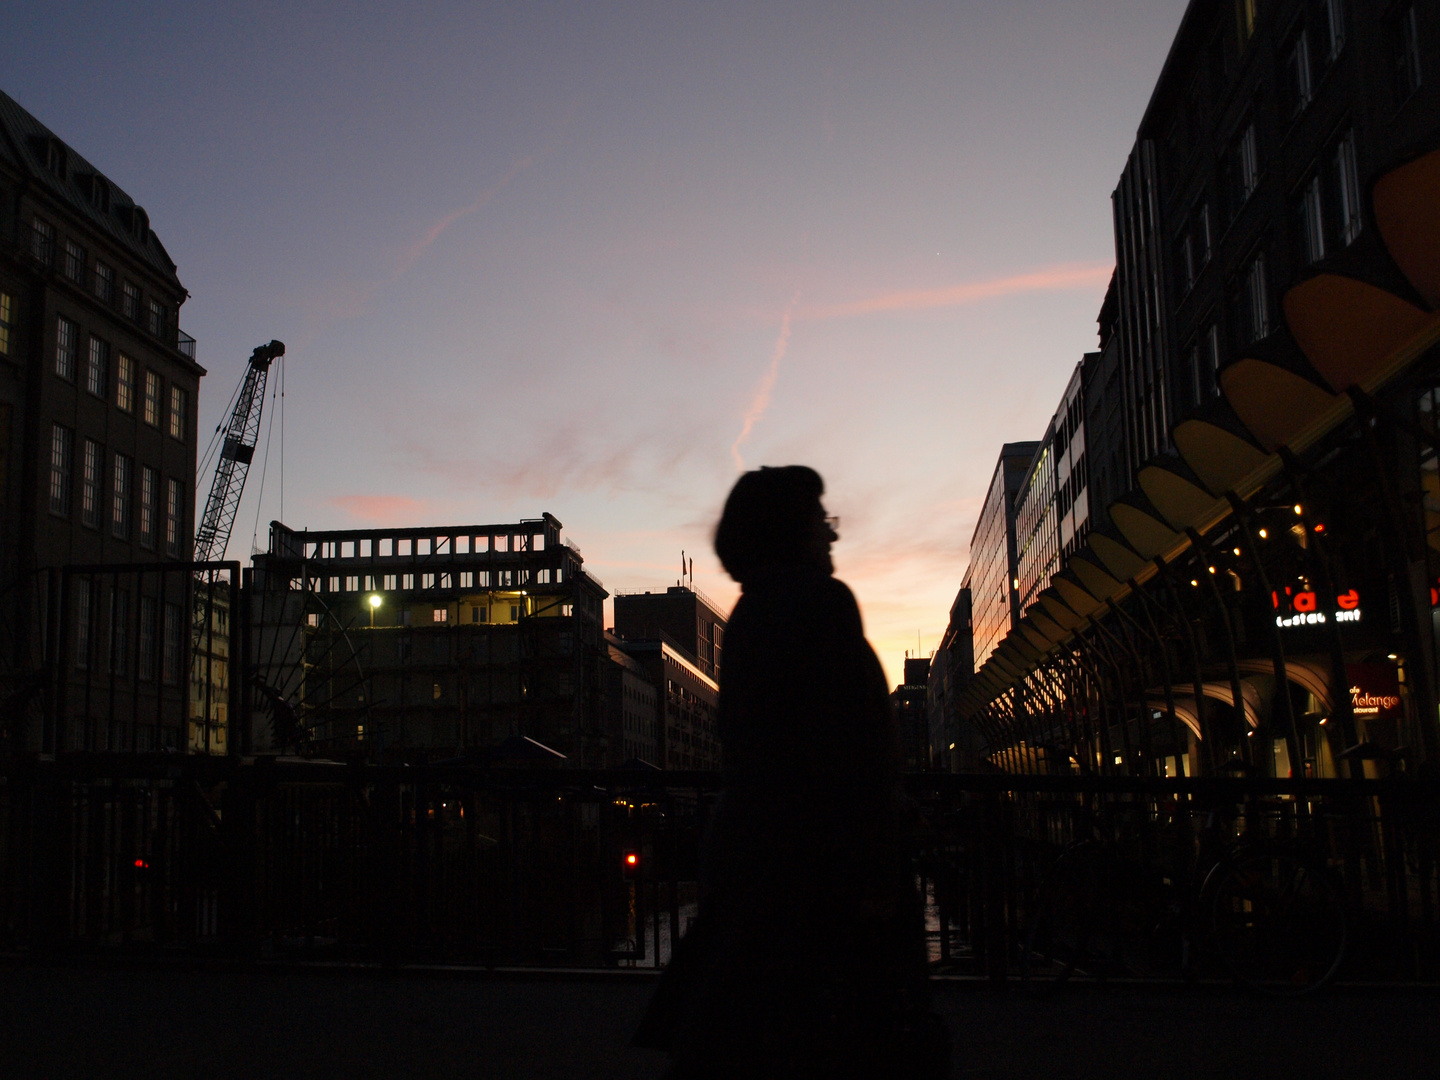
{"x":1267,"y":913}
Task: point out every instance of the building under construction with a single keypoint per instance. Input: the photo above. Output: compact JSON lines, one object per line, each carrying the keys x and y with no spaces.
{"x":429,"y":643}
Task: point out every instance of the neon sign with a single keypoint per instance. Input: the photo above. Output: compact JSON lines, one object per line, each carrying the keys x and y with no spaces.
{"x":1305,"y":607}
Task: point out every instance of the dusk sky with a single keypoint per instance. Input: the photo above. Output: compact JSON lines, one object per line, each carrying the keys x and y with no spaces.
{"x":593,"y":259}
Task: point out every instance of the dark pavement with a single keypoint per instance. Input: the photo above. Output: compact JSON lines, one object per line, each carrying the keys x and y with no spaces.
{"x":154,"y":1022}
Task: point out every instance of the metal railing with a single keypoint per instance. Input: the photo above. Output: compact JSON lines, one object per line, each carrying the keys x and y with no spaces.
{"x":289,"y":859}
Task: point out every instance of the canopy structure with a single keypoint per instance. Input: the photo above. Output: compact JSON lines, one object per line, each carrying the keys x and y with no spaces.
{"x":1348,"y":339}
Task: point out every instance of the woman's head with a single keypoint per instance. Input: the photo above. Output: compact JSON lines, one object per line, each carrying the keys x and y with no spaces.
{"x":773,"y":517}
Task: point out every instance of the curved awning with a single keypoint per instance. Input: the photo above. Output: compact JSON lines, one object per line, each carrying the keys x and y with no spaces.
{"x":1407,"y":212}
{"x":1180,"y":501}
{"x":1220,"y":458}
{"x":1144,"y":532}
{"x":1275,"y":404}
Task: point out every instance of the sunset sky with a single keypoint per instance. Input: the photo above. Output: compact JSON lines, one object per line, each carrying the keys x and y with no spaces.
{"x":594,"y":258}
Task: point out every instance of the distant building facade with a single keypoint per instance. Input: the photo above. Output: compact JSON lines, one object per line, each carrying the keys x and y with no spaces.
{"x":912,"y":715}
{"x":990,"y":577}
{"x":98,"y":390}
{"x":685,"y":615}
{"x":687,"y":733}
{"x":634,"y":715}
{"x":1037,"y":526}
{"x":951,"y":668}
{"x":429,"y":643}
{"x":1247,"y":175}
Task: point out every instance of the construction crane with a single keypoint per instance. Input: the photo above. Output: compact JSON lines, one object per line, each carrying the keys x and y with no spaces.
{"x":241,"y":434}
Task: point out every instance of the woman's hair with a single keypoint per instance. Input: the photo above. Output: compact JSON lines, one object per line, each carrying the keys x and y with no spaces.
{"x":768,"y":519}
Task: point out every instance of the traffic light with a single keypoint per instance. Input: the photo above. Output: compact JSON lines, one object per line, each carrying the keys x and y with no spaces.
{"x":629,"y":862}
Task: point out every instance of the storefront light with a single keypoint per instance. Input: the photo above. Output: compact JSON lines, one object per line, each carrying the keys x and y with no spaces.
{"x":1264,"y":535}
{"x":1298,"y":510}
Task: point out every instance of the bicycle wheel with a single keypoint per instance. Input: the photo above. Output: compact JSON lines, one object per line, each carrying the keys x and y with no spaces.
{"x":1277,"y":922}
{"x":1064,"y":932}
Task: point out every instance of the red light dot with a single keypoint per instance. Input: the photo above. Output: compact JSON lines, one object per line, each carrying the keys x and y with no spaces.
{"x":631,"y":859}
{"x":140,"y":863}
{"x":1319,"y":526}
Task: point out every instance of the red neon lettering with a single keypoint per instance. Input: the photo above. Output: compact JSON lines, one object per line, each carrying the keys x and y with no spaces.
{"x":1305,"y":601}
{"x":1348,"y":601}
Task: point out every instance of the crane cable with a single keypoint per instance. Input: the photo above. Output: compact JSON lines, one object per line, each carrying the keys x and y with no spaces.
{"x":217,"y":441}
{"x":265,"y":459}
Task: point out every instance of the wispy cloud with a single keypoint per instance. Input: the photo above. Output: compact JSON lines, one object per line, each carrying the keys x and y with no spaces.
{"x":1046,"y":279}
{"x":382,"y":509}
{"x":760,"y":401}
{"x":412,"y":254}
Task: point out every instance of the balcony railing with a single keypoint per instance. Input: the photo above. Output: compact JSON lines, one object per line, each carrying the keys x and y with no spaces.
{"x":186,"y":344}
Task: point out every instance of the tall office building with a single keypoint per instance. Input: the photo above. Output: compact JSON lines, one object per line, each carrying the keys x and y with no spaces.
{"x":990,"y":576}
{"x":98,"y":389}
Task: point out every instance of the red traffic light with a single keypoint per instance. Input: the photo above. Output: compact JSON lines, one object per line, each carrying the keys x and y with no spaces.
{"x":631,"y":859}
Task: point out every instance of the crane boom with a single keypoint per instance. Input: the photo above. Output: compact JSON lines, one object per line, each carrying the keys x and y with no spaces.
{"x":212,"y":537}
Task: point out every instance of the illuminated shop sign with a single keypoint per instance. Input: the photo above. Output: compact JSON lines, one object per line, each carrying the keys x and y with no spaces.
{"x":1303,"y":608}
{"x":1374,"y":690}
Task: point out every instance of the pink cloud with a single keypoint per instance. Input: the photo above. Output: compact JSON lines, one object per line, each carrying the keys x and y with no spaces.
{"x":1046,"y":279}
{"x":383,"y":509}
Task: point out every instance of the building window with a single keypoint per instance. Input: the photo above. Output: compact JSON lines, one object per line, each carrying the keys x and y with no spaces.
{"x":479,"y":614}
{"x":125,"y":384}
{"x":1192,"y":250}
{"x":148,"y":608}
{"x":55,"y":158}
{"x":1298,"y":87}
{"x":1332,"y":12}
{"x":152,"y":399}
{"x":130,"y":301}
{"x":170,"y":656}
{"x":179,"y":406}
{"x":100,"y":194}
{"x":1245,"y":12}
{"x":149,"y":505}
{"x":119,"y":655}
{"x":67,"y":341}
{"x":62,"y":441}
{"x":440,"y":614}
{"x":120,"y":504}
{"x":104,"y":282}
{"x":174,"y":504}
{"x":1255,"y":301}
{"x":1404,"y":33}
{"x":1347,"y":189}
{"x":156,"y":324}
{"x":97,"y":374}
{"x":42,"y":242}
{"x":90,"y":469}
{"x":7,"y":324}
{"x":83,"y":618}
{"x":1310,"y":218}
{"x":1246,"y":164}
{"x":74,"y":261}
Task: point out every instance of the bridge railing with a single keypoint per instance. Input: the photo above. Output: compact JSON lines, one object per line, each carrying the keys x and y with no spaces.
{"x":273,"y":859}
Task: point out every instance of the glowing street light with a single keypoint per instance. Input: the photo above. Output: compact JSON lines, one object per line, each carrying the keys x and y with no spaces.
{"x":374,"y":606}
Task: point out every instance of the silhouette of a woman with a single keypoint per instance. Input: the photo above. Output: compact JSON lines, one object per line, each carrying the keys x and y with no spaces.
{"x":807,"y":956}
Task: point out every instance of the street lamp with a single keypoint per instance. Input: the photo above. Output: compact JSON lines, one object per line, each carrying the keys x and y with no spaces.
{"x":374,"y":605}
